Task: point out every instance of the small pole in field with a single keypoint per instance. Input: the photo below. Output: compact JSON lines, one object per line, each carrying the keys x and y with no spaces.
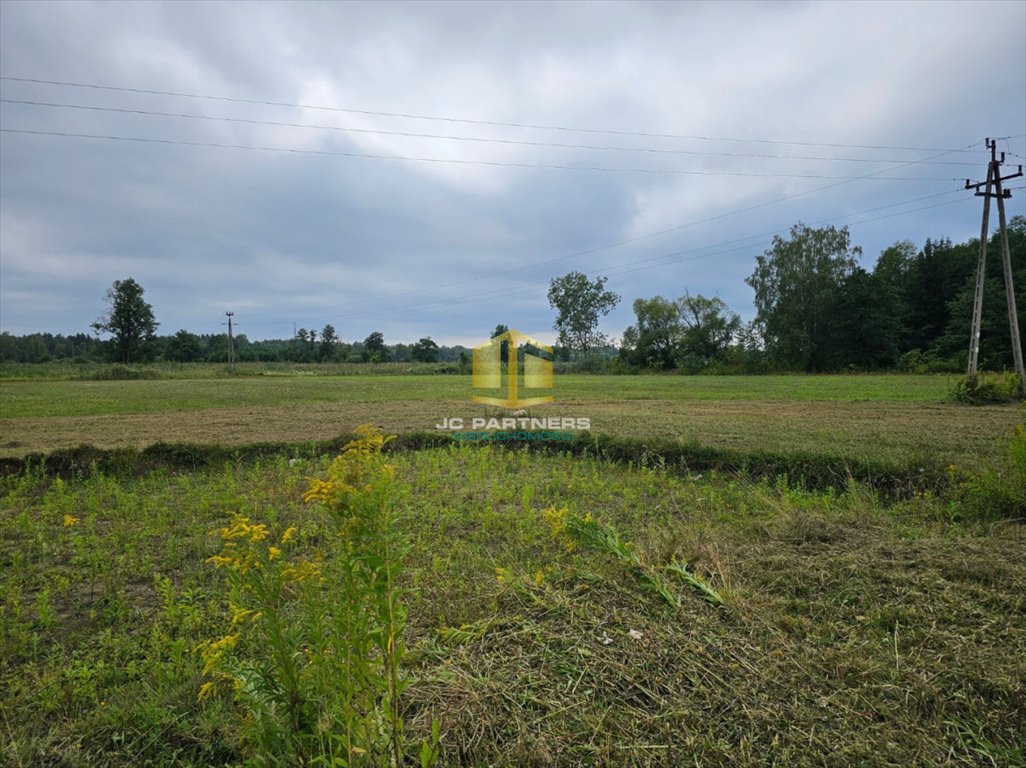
{"x":231,"y":344}
{"x":992,"y":188}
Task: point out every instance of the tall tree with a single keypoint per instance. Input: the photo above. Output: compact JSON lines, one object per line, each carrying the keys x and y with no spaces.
{"x":374,"y":347}
{"x":891,"y":274}
{"x":425,"y":351}
{"x":690,"y":332}
{"x":708,"y":327}
{"x":300,"y":349}
{"x":329,"y":344}
{"x":504,"y":344}
{"x":795,"y":282}
{"x":654,"y":340}
{"x":936,"y":275}
{"x":183,"y":347}
{"x":579,"y":303}
{"x":129,"y":321}
{"x":8,"y":347}
{"x":866,"y":327}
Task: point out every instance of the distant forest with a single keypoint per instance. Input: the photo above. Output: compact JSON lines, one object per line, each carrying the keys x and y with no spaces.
{"x":186,"y":347}
{"x":817,"y":310}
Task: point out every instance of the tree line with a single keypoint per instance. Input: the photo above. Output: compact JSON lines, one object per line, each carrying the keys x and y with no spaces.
{"x":185,"y":347}
{"x":817,"y":310}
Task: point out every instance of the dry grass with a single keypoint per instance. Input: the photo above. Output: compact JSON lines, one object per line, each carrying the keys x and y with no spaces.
{"x":853,"y":635}
{"x":940,"y":432}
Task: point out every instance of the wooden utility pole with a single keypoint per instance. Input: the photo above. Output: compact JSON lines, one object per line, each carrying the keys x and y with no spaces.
{"x":992,"y":188}
{"x":231,"y":344}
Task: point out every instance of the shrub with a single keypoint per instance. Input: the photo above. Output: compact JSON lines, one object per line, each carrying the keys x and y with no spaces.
{"x":999,"y":492}
{"x":988,"y":388}
{"x":119,"y":372}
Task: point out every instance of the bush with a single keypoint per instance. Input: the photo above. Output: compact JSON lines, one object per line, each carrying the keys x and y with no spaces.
{"x":119,"y":372}
{"x":988,"y":388}
{"x":912,"y":362}
{"x":915,"y":361}
{"x":998,"y":492}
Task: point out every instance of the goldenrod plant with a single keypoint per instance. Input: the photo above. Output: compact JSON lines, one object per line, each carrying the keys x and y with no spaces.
{"x":314,"y":646}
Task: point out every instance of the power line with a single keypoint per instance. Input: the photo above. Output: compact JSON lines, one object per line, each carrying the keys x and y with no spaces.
{"x":578,"y":254}
{"x":660,"y":232}
{"x":449,"y":137}
{"x":466,"y":121}
{"x":770,"y":234}
{"x":845,"y":180}
{"x":454,"y":161}
{"x":619,"y":269}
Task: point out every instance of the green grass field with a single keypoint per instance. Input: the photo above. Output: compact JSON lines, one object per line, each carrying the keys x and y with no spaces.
{"x":852,"y":629}
{"x":63,"y":397}
{"x":888,"y":417}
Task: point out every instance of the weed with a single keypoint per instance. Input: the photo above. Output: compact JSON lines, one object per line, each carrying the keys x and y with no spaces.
{"x":1000,"y":490}
{"x":988,"y":388}
{"x":314,"y":646}
{"x":587,"y":531}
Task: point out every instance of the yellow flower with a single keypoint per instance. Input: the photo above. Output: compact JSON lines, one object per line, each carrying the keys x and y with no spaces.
{"x":273,"y":553}
{"x":356,"y":471}
{"x":539,"y":578}
{"x":228,"y":641}
{"x":70,"y":520}
{"x":213,"y":652}
{"x":320,"y":490}
{"x":240,"y":614}
{"x":556,"y":518}
{"x":300,"y":572}
{"x":241,"y":528}
{"x":287,"y":536}
{"x":206,"y":691}
{"x":502,"y":575}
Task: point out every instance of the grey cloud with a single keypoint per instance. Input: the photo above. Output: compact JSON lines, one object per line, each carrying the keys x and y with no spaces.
{"x":285,"y":238}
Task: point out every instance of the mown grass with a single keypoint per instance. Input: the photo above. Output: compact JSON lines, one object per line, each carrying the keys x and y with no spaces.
{"x":853,"y":632}
{"x":55,"y":397}
{"x":866,"y":418}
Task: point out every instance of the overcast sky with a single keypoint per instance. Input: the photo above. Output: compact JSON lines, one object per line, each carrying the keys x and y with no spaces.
{"x":661,"y":145}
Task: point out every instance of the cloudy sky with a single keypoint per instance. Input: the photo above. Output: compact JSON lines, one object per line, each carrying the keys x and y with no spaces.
{"x":424,"y":169}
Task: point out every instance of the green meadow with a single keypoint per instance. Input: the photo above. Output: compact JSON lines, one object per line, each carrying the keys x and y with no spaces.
{"x":68,"y":397}
{"x":893,"y":418}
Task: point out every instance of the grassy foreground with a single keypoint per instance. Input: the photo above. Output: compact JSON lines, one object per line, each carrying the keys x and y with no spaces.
{"x":851,"y":633}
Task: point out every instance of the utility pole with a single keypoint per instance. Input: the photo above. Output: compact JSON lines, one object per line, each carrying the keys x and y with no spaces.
{"x":992,"y":188}
{"x":231,"y":344}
